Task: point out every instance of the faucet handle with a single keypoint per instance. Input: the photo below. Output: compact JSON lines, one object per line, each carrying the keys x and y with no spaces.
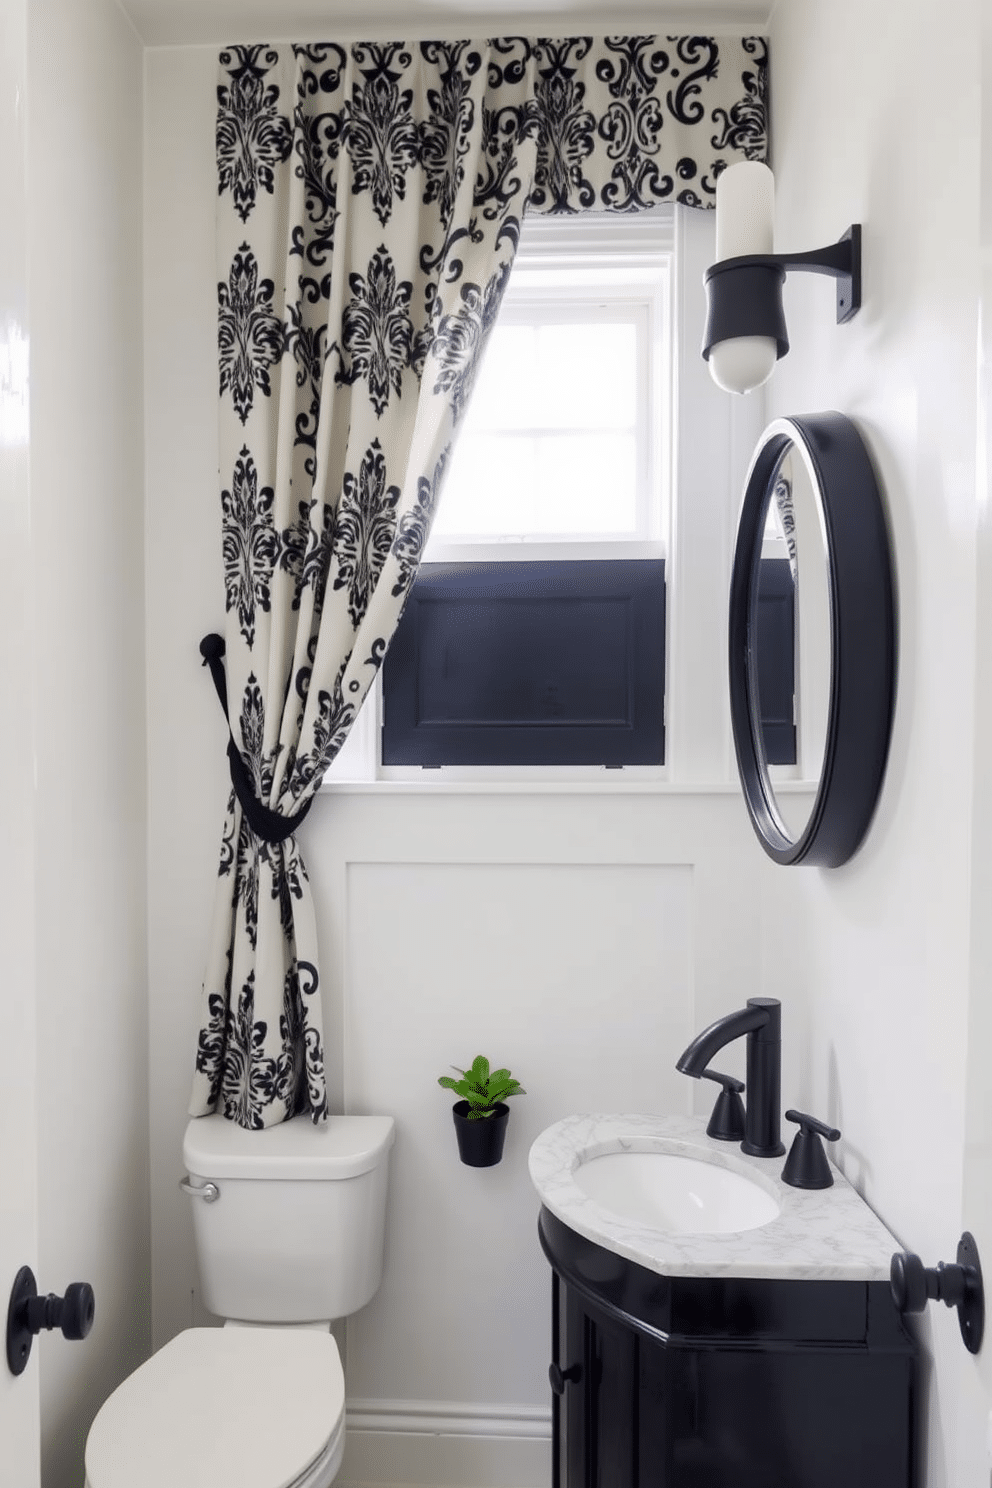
{"x":728,"y":1121}
{"x":806,"y":1165}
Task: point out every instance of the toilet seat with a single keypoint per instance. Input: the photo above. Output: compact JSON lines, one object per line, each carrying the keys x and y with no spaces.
{"x":245,"y":1407}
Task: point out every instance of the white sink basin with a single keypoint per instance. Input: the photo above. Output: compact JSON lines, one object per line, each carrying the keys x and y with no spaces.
{"x":660,"y":1192}
{"x":676,"y":1194}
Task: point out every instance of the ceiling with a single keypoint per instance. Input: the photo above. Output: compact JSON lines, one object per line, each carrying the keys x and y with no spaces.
{"x":216,"y":22}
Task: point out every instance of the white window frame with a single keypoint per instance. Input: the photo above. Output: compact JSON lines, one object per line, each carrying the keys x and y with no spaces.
{"x":706,"y":445}
{"x":568,"y":265}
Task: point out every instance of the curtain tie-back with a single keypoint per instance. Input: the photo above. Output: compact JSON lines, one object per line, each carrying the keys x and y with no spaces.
{"x":267,"y":824}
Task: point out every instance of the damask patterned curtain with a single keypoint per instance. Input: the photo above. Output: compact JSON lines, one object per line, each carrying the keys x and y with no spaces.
{"x":370,"y":202}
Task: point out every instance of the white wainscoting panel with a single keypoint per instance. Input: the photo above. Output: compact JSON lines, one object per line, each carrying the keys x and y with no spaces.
{"x":578,"y":978}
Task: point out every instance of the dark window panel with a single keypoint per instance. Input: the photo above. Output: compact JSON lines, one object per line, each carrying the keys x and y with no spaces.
{"x":776,"y":643}
{"x":550,"y":663}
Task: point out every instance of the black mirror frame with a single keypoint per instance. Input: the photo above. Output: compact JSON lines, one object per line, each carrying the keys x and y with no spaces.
{"x":863,"y":641}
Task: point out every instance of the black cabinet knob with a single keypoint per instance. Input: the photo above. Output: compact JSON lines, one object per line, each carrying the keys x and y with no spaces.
{"x":958,"y":1285}
{"x":561,"y":1377}
{"x":28,"y":1313}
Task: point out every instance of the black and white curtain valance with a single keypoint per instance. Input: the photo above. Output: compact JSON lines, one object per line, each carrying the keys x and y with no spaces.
{"x":369,"y":208}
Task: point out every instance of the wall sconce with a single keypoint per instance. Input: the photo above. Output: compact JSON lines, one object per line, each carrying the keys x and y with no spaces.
{"x":745,"y":323}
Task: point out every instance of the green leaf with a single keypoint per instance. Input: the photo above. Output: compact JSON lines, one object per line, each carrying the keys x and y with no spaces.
{"x":480,"y":1069}
{"x":476,"y":1098}
{"x":505,"y":1089}
{"x":448,"y":1083}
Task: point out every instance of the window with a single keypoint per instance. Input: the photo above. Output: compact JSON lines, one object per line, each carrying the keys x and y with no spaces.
{"x":535,"y":633}
{"x":653,"y":265}
{"x":566,"y":439}
{"x":557,"y":421}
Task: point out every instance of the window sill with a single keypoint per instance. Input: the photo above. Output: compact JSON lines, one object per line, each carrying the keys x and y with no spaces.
{"x":588,"y":787}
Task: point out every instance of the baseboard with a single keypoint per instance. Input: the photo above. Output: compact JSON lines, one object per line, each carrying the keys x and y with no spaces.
{"x":444,"y":1444}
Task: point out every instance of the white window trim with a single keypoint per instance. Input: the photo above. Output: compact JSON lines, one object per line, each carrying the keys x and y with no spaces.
{"x":712,"y":436}
{"x":634,"y":259}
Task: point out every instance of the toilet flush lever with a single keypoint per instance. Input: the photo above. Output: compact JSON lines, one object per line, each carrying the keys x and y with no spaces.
{"x":208,"y":1192}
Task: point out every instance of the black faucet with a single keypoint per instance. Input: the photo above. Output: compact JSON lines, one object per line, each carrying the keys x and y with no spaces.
{"x":761,"y":1020}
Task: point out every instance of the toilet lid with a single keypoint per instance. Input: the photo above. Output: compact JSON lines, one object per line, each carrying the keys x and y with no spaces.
{"x":221,"y":1408}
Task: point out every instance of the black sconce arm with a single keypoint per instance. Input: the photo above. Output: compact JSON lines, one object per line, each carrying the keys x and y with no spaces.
{"x":749,"y":301}
{"x":841,"y":261}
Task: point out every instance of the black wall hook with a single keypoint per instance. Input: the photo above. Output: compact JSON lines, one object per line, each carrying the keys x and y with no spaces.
{"x":27,"y":1314}
{"x":914,"y":1285}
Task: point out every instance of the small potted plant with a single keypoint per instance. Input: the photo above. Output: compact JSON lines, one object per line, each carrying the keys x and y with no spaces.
{"x":480,"y":1115}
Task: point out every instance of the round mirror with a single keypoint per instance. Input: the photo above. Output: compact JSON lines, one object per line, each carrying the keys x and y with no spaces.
{"x":812,"y":640}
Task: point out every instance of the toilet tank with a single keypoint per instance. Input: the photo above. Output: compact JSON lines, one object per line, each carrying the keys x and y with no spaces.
{"x":296,"y":1232}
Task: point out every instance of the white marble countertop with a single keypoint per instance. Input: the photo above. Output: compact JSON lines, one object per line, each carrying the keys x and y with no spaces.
{"x":818,"y":1235}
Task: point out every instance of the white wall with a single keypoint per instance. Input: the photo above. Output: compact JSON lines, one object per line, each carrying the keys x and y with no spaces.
{"x":186,"y":730}
{"x":579,"y":936}
{"x":84,"y":243}
{"x":876,"y":120}
{"x":978,"y":1148}
{"x":978,"y":1142}
{"x":19,"y":1395}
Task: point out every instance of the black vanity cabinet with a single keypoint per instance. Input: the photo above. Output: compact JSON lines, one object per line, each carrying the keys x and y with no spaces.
{"x":697,"y":1382}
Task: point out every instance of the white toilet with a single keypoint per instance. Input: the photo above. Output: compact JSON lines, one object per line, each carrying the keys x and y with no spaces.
{"x":289,"y":1226}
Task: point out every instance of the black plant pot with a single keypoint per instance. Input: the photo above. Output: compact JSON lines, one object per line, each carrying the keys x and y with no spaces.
{"x":480,"y":1143}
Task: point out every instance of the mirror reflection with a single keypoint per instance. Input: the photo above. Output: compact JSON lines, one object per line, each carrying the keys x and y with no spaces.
{"x":791,"y":627}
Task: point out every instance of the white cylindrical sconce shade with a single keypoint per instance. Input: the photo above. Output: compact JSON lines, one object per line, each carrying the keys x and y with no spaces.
{"x":745,"y":224}
{"x":745,"y":210}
